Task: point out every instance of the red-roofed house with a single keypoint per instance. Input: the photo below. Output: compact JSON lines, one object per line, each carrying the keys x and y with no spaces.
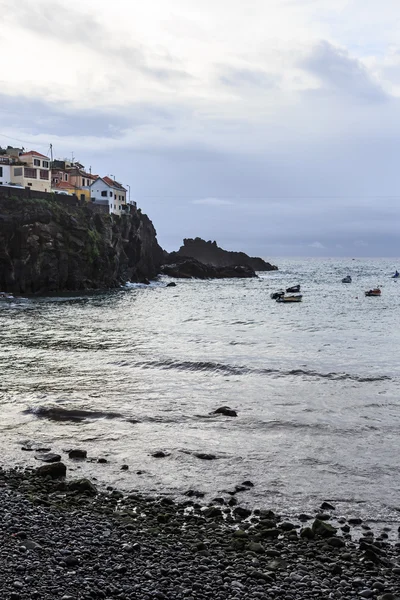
{"x":107,"y":191}
{"x":33,"y":171}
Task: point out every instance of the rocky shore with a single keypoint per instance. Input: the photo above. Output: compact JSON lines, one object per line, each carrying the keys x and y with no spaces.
{"x":64,"y":539}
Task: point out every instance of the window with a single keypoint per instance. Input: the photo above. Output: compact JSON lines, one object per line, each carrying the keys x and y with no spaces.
{"x":31,"y":173}
{"x":46,"y":164}
{"x":30,"y":184}
{"x":44,"y":174}
{"x":83,"y":182}
{"x":36,"y":162}
{"x":17,"y":171}
{"x":115,"y":196}
{"x":104,"y":193}
{"x":66,"y":177}
{"x":1,"y":171}
{"x":110,"y":194}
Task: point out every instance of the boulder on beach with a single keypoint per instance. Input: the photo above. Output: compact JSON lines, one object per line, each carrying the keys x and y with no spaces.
{"x":50,"y":457}
{"x":83,"y":486}
{"x":53,"y":470}
{"x":77,"y":454}
{"x":205,"y":456}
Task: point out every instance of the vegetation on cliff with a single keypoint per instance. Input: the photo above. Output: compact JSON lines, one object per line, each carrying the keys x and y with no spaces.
{"x":49,"y":246}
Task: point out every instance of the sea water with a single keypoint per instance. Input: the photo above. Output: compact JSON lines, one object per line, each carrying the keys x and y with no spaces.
{"x":126,"y":373}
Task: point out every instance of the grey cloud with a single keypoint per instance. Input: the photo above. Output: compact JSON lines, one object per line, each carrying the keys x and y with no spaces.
{"x":59,"y":21}
{"x":341,"y":72}
{"x":40,"y":117}
{"x":235,"y":77}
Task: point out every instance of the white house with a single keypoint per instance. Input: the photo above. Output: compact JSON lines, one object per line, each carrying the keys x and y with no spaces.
{"x":5,"y":170}
{"x":111,"y":193}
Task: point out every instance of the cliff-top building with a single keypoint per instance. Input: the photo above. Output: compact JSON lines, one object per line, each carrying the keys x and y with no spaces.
{"x":106,"y":191}
{"x":32,"y":170}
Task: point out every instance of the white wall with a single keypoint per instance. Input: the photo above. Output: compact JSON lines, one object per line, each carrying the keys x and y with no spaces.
{"x":114,"y":205}
{"x":5,"y":174}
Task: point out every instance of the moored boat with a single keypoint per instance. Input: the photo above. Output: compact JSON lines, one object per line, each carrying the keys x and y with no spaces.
{"x":289,"y":299}
{"x":374,"y":292}
{"x":276,"y":295}
{"x":347,"y":279}
{"x":293,"y":290}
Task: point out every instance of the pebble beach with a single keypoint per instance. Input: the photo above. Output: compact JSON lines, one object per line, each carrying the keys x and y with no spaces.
{"x":66,"y":539}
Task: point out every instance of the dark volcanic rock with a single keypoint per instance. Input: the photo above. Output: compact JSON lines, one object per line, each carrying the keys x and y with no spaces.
{"x":226,"y":411}
{"x":77,"y":454}
{"x":211,"y":254}
{"x":52,"y":470}
{"x":205,"y":456}
{"x":50,"y":457}
{"x":188,"y":268}
{"x":49,"y":246}
{"x":82,"y":486}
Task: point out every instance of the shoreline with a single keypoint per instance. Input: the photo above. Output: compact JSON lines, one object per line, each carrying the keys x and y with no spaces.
{"x":64,"y":539}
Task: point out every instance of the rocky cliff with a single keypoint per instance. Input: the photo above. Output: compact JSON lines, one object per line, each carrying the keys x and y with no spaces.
{"x":211,"y":254}
{"x":48,"y":246}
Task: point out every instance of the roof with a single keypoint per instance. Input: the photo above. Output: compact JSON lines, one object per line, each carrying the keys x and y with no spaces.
{"x":34,"y":153}
{"x":113,"y":183}
{"x":63,"y":185}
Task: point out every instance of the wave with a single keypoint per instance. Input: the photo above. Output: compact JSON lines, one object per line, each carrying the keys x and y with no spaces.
{"x":225,"y":369}
{"x":55,"y":413}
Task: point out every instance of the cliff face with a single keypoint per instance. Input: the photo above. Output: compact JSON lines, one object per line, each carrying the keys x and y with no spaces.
{"x":210,"y":253}
{"x":47,"y":246}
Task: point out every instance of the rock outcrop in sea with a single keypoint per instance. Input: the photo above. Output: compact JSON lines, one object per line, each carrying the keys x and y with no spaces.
{"x":211,"y":254}
{"x":49,"y":246}
{"x":187,"y":268}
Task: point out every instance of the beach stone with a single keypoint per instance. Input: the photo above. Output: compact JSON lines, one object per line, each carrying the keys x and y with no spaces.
{"x":270,"y":533}
{"x":327,"y":506}
{"x":307,"y":533}
{"x":226,"y":411}
{"x":286,"y":526}
{"x":354,"y":521}
{"x":171,"y":284}
{"x":336,"y":542}
{"x":77,"y":454}
{"x":388,"y":597}
{"x":367,"y":593}
{"x":205,"y":456}
{"x":256,"y":547}
{"x":83,"y":486}
{"x":50,"y":457}
{"x":241,"y":512}
{"x":102,"y":461}
{"x":159,"y":454}
{"x":323,"y":529}
{"x":124,"y":467}
{"x":53,"y":470}
{"x":248,"y":483}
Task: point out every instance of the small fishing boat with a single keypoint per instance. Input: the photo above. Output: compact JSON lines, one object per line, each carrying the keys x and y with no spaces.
{"x":396,"y":275}
{"x":289,"y":299}
{"x":347,"y":279}
{"x":276,"y":295}
{"x":293,"y":290}
{"x":374,"y":292}
{"x":6,"y":297}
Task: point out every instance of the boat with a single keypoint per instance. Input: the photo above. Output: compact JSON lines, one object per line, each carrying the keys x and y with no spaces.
{"x":6,"y":297}
{"x":293,"y":290}
{"x":289,"y":299}
{"x":374,"y":292}
{"x":276,"y":295}
{"x":396,"y":275}
{"x":347,"y":279}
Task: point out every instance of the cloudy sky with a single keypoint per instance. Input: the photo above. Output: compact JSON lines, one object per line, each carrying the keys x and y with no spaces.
{"x":271,"y":126}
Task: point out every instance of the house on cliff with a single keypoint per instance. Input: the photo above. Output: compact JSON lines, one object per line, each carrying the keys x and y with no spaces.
{"x":71,"y":178}
{"x":32,"y":170}
{"x":109,"y":192}
{"x":5,"y":170}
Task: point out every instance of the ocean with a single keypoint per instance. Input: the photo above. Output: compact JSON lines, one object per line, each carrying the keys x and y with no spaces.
{"x":129,"y":372}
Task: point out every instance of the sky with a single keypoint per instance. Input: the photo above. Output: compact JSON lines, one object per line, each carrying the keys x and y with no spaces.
{"x":271,"y":126}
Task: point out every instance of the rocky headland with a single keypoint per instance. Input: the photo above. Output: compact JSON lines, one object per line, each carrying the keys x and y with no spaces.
{"x":50,"y":246}
{"x":64,"y":539}
{"x":211,"y":254}
{"x":182,"y":267}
